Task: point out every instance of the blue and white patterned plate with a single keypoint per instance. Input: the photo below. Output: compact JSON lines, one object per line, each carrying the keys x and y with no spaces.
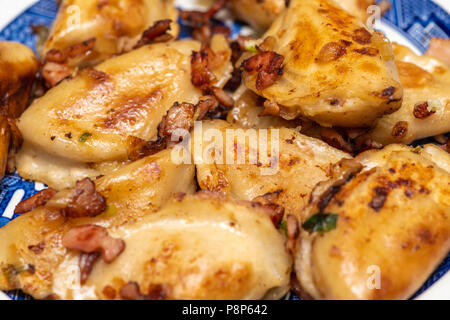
{"x":410,"y":22}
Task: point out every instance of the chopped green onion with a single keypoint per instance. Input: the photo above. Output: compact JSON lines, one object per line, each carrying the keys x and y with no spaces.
{"x":85,"y":136}
{"x":321,"y":222}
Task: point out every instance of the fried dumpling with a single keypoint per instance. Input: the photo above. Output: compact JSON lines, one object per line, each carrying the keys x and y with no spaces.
{"x":377,"y":231}
{"x":259,"y":14}
{"x":279,"y":164}
{"x":90,"y":119}
{"x":90,"y":31}
{"x":175,"y":253}
{"x":123,"y":197}
{"x":319,"y":62}
{"x":18,"y":67}
{"x":425,"y":110}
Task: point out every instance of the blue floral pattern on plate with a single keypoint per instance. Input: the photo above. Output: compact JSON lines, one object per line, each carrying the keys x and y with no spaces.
{"x":416,"y":20}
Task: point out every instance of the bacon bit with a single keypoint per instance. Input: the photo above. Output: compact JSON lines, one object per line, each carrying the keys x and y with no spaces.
{"x":446,"y":146}
{"x":201,"y":75}
{"x":335,"y":139}
{"x":293,"y":231}
{"x":38,"y":248}
{"x":86,"y":263}
{"x":268,"y":65}
{"x":205,"y":105}
{"x":54,"y":73}
{"x":223,"y":97}
{"x":331,"y":52}
{"x":235,"y":81}
{"x":197,"y":19}
{"x":179,"y":116}
{"x":362,"y":36}
{"x":156,"y":33}
{"x":91,"y":238}
{"x":85,"y":202}
{"x":400,"y":129}
{"x":53,"y":296}
{"x":440,"y":138}
{"x":60,"y":56}
{"x":35,"y":201}
{"x":139,"y":148}
{"x":421,"y":110}
{"x":267,"y":202}
{"x":367,"y":51}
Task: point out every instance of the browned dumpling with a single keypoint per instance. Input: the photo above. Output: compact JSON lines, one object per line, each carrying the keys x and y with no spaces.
{"x":87,"y":32}
{"x":177,"y":252}
{"x":259,"y":14}
{"x":425,"y":110}
{"x":319,"y":62}
{"x":86,"y":123}
{"x":18,"y":67}
{"x":120,"y":198}
{"x":279,"y":164}
{"x":379,"y":227}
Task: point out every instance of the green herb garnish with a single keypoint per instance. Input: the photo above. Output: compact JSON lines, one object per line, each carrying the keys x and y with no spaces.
{"x":321,"y":222}
{"x":283,"y":226}
{"x":85,"y":136}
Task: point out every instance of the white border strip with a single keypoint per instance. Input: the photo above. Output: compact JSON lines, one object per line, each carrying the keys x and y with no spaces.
{"x":11,"y":9}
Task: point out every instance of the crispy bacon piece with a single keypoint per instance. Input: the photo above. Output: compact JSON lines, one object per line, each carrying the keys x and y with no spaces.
{"x":91,"y":238}
{"x":156,"y":33}
{"x":55,"y":67}
{"x":275,"y":211}
{"x":85,"y":202}
{"x":201,"y":75}
{"x":179,"y":116}
{"x":54,"y":73}
{"x":293,"y":231}
{"x":139,"y":148}
{"x":86,"y":263}
{"x":335,"y":139}
{"x":76,"y":50}
{"x":224,"y":98}
{"x":197,"y":19}
{"x":268,"y":65}
{"x":205,"y":105}
{"x":35,"y":201}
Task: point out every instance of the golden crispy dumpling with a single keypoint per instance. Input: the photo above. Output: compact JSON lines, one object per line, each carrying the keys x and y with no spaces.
{"x":392,"y":228}
{"x":133,"y":191}
{"x":175,"y":253}
{"x":94,"y":30}
{"x":259,"y":14}
{"x":18,"y":67}
{"x":89,"y":119}
{"x":425,"y":110}
{"x":322,"y":63}
{"x":284,"y":165}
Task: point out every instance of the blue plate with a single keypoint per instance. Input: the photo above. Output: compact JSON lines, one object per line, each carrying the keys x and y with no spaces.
{"x":415,"y":21}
